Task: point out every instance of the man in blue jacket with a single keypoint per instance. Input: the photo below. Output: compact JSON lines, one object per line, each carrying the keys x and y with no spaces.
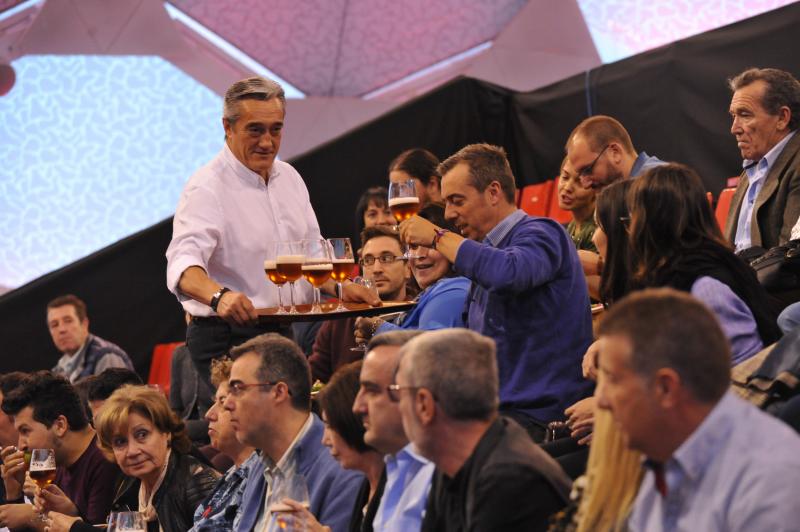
{"x":269,"y":397}
{"x":528,"y":291}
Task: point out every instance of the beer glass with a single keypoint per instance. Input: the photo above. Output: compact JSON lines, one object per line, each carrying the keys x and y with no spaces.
{"x":126,"y":522}
{"x":42,"y":469}
{"x":295,"y":488}
{"x":289,"y":261}
{"x":404,"y":203}
{"x":363,"y":281}
{"x":343,"y":262}
{"x":271,"y":270}
{"x":317,"y":267}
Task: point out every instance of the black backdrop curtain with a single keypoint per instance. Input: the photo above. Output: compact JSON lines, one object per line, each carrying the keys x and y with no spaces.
{"x":673,"y":100}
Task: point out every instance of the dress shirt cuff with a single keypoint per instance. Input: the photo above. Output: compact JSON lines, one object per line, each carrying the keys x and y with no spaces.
{"x":175,"y":270}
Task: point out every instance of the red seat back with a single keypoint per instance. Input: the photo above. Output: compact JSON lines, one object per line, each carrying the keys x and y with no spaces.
{"x":161,"y":365}
{"x":535,"y":199}
{"x":557,"y":213}
{"x":723,"y":206}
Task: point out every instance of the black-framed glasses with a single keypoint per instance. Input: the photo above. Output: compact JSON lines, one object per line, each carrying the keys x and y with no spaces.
{"x":237,"y":388}
{"x":386,"y":258}
{"x":586,"y":171}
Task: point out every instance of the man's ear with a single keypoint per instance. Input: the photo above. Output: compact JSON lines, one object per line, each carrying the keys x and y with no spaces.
{"x":494,"y":193}
{"x":425,"y":406}
{"x":60,"y":426}
{"x":668,"y":387}
{"x":784,"y":117}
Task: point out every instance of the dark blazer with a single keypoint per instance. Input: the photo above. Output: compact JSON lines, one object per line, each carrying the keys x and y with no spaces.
{"x":777,"y":205}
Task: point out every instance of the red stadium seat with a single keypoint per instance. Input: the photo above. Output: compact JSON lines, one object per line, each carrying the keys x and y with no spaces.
{"x":535,"y":199}
{"x":557,"y":213}
{"x":724,"y":205}
{"x":161,"y":365}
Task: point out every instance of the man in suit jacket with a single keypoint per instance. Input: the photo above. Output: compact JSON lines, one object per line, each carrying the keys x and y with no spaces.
{"x":766,"y":113}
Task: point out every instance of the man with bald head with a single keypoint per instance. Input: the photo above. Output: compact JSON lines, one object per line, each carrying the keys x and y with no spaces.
{"x":601,"y":152}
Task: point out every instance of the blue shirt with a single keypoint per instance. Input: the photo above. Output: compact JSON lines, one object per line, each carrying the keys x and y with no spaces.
{"x":734,"y":316}
{"x":440,"y":306}
{"x":756,"y":175}
{"x":644,"y":162}
{"x":408,"y":480}
{"x":738,"y":471}
{"x":218,"y":511}
{"x":529,"y":295}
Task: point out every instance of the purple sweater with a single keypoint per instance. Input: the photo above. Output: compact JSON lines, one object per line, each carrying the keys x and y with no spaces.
{"x":529,"y":295}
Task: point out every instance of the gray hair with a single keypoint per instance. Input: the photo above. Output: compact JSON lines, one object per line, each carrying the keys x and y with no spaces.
{"x":281,"y":360}
{"x":459,"y":367}
{"x":782,"y":90}
{"x":393,"y":338}
{"x":255,"y":88}
{"x":487,"y":163}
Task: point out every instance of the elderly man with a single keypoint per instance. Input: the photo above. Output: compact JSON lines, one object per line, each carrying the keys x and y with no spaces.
{"x":269,"y":400}
{"x":489,"y":474}
{"x":82,"y":353}
{"x":714,"y":462}
{"x":230,"y":214}
{"x":408,"y":475}
{"x":765,"y":108}
{"x":601,"y":151}
{"x":528,"y":291}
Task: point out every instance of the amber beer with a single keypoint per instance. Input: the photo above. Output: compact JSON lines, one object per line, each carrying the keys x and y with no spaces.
{"x":271,"y":269}
{"x":290,"y":266}
{"x":43,"y":477}
{"x":317,"y":273}
{"x":404,"y":208}
{"x":341,"y":269}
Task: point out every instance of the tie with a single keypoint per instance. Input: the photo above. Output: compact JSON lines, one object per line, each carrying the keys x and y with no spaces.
{"x":661,"y":480}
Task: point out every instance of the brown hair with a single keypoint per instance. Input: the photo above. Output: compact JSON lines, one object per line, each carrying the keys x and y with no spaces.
{"x":70,"y":299}
{"x":599,"y":131}
{"x":336,"y":400}
{"x":670,"y":329}
{"x":782,"y":90}
{"x":148,"y":403}
{"x":419,"y":163}
{"x":377,"y":231}
{"x":220,"y":370}
{"x":487,"y":163}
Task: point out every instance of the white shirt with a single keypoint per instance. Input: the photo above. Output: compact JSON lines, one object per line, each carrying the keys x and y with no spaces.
{"x":226,"y":221}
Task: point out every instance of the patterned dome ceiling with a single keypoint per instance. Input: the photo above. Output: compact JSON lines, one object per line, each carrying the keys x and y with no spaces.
{"x":351,"y":47}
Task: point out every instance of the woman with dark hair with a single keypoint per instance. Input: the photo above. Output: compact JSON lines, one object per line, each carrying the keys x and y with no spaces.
{"x":441,"y":303}
{"x":344,"y":436}
{"x":611,"y":240}
{"x":675,"y":241}
{"x":373,"y":209}
{"x":421,"y":166}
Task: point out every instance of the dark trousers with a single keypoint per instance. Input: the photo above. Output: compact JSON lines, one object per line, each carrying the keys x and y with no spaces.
{"x":536,"y":430}
{"x":213,"y":337}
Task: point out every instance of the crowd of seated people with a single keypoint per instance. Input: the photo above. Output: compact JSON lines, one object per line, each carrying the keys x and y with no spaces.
{"x":436,"y":419}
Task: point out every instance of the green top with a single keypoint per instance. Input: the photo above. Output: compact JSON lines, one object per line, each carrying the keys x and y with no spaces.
{"x":583,"y":237}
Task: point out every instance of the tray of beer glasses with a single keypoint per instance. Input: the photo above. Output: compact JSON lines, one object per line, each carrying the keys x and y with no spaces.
{"x":330,"y":311}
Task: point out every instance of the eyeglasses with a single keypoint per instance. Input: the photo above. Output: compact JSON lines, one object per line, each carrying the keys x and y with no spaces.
{"x":386,"y":258}
{"x":237,"y":388}
{"x":393,"y":391}
{"x":586,"y":171}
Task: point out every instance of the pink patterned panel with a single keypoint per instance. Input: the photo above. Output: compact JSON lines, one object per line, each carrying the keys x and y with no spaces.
{"x":348,"y":48}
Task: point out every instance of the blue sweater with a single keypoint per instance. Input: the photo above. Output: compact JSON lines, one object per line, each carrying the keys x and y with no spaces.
{"x":440,"y":306}
{"x":331,"y":489}
{"x":530,"y":296}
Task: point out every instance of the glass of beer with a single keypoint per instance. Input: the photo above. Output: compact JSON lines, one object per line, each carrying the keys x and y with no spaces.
{"x":271,"y":269}
{"x":127,"y":522}
{"x":403,"y":200}
{"x":293,"y":487}
{"x":42,"y":469}
{"x":343,"y":262}
{"x":289,"y":262}
{"x":317,"y":268}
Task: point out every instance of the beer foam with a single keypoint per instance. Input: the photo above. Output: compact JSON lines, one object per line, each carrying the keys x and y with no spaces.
{"x":290,"y":259}
{"x":343,"y":261}
{"x":403,"y":201}
{"x":270,"y":265}
{"x":318,"y":267}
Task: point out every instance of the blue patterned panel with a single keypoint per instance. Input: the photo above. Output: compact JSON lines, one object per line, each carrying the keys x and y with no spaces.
{"x":621,"y":28}
{"x":93,"y":149}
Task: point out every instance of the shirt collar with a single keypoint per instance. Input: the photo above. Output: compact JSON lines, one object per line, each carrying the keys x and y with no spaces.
{"x":243,"y":172}
{"x":766,"y":162}
{"x":406,"y":454}
{"x":695,"y":454}
{"x":501,"y":230}
{"x":288,"y":454}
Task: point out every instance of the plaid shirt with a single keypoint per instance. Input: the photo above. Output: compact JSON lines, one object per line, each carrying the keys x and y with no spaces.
{"x":217,"y":512}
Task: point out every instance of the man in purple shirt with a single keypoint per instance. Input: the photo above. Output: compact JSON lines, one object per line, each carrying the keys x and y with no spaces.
{"x":528,"y":293}
{"x":713,"y":461}
{"x":49,"y":415}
